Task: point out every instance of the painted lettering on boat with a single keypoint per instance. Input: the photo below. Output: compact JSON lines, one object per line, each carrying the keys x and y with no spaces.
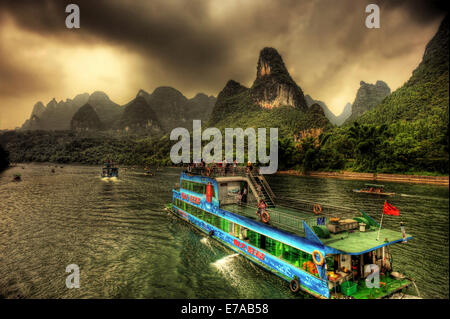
{"x":249,"y":249}
{"x":192,"y":199}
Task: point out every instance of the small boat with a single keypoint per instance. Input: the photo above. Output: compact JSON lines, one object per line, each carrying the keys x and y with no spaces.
{"x":373,"y":189}
{"x":148,"y":172}
{"x":109,"y":170}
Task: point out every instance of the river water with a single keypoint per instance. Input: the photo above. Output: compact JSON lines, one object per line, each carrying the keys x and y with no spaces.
{"x":126,"y":245}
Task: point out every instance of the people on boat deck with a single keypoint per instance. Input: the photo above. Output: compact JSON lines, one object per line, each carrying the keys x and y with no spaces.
{"x":234,"y":167}
{"x":244,"y":194}
{"x":249,"y":166}
{"x":225,"y":166}
{"x":262,"y":206}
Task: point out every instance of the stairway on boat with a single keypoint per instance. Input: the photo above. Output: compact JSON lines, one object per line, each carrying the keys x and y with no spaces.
{"x":265,"y":192}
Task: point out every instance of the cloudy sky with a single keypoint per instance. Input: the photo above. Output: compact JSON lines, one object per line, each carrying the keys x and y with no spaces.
{"x":198,"y":45}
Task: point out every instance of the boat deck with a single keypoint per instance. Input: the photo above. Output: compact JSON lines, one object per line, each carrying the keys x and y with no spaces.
{"x":283,"y":218}
{"x":357,"y":242}
{"x":388,"y":286}
{"x":291,"y":220}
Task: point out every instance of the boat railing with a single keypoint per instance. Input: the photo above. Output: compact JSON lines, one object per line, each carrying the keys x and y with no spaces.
{"x":318,"y":209}
{"x":216,"y":171}
{"x":293,"y":223}
{"x":278,"y":219}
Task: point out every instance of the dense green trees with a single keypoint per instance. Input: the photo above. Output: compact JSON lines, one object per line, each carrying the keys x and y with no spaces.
{"x":367,"y":148}
{"x":359,"y":147}
{"x":87,"y":148}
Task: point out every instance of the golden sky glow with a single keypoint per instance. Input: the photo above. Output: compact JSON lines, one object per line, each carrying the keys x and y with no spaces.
{"x":121,"y":48}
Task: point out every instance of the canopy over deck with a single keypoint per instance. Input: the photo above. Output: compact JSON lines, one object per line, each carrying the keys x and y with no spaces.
{"x":357,"y":243}
{"x":374,"y":185}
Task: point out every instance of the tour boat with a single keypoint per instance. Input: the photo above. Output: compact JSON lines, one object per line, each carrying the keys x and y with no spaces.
{"x":373,"y":189}
{"x":109,"y":170}
{"x":326,"y":251}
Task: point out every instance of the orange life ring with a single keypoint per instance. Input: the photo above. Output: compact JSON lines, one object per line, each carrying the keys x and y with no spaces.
{"x":208,"y":171}
{"x":265,"y":217}
{"x":317,"y":209}
{"x":318,"y":263}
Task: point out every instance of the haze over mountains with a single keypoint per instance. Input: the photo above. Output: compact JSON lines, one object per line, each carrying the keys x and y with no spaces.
{"x":334,"y":119}
{"x":159,"y":111}
{"x":401,"y":132}
{"x":424,"y":98}
{"x":274,"y":99}
{"x":367,"y":97}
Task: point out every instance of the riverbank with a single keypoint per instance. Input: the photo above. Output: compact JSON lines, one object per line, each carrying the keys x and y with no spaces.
{"x":435,"y":180}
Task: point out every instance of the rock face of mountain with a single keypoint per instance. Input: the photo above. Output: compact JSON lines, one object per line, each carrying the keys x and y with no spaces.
{"x":367,"y":97}
{"x":173,"y":109}
{"x":417,"y":113}
{"x":85,"y":119}
{"x":201,"y":106}
{"x":38,"y":109}
{"x":334,"y":119}
{"x":274,"y":100}
{"x":58,"y":115}
{"x":107,"y":110}
{"x":274,"y":86}
{"x":169,"y":108}
{"x":139,"y":115}
{"x":424,"y":98}
{"x":345,"y":114}
{"x":228,"y":100}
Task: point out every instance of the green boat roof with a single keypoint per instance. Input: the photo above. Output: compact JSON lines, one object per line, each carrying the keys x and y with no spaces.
{"x":357,"y":242}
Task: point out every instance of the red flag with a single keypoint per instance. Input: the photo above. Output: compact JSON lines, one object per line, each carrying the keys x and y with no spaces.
{"x":390,"y":210}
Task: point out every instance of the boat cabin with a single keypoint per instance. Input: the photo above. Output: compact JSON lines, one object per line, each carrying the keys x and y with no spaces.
{"x":320,"y":245}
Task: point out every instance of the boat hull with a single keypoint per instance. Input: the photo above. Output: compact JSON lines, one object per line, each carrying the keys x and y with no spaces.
{"x":308,"y":283}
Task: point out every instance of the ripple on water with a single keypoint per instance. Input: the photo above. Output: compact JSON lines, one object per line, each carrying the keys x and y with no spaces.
{"x":127,"y":246}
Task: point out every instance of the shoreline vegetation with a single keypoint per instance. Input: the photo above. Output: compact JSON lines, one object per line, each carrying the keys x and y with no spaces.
{"x":402,"y":178}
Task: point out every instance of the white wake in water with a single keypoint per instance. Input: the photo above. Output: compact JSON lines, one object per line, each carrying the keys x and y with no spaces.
{"x":206,"y":241}
{"x":110,"y":179}
{"x":226,"y":266}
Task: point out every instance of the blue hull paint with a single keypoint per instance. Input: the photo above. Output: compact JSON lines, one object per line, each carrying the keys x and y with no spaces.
{"x":270,"y":262}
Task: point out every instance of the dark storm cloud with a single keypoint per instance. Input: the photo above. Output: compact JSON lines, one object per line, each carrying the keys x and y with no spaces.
{"x":176,"y":34}
{"x":197,"y":45}
{"x":419,"y":11}
{"x":188,"y":42}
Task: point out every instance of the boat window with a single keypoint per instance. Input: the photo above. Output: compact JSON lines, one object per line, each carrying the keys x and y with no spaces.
{"x":195,"y":187}
{"x":289,"y":254}
{"x":273,"y":247}
{"x":254,"y":238}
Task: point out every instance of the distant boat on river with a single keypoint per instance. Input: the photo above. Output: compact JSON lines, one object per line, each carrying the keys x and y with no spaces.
{"x":373,"y":189}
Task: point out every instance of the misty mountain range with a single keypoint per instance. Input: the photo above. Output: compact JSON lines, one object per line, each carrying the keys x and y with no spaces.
{"x":159,"y":111}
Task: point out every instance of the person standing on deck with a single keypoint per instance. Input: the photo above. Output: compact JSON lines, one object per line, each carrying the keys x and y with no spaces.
{"x":244,"y":194}
{"x":261,"y":207}
{"x":225,"y":166}
{"x":249,"y":167}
